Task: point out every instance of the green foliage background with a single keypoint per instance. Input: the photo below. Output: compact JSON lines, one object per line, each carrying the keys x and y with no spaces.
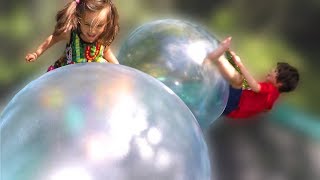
{"x":263,"y":32}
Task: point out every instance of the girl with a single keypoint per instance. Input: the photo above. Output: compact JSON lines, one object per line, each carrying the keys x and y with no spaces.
{"x":88,"y":27}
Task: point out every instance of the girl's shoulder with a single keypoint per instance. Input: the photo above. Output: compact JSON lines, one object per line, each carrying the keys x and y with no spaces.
{"x":65,"y":35}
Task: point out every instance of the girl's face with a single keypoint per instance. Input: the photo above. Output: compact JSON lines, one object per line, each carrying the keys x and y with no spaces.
{"x":92,"y":24}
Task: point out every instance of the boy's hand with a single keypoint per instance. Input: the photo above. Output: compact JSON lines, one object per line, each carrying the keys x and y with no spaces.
{"x":219,"y":51}
{"x":31,"y":57}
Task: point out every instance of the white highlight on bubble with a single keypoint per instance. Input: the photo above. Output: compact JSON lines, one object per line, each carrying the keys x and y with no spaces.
{"x":163,"y":159}
{"x":115,"y":144}
{"x":128,"y":108}
{"x":154,"y":136}
{"x":145,"y":150}
{"x":68,"y":173}
{"x":197,"y":51}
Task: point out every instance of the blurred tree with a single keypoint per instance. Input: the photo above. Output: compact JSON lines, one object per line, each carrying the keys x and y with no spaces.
{"x":284,"y":28}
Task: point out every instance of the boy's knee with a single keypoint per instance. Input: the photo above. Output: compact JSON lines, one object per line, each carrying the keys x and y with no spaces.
{"x":237,"y":82}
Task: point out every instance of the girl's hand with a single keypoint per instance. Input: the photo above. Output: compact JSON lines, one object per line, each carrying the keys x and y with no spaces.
{"x":31,"y":57}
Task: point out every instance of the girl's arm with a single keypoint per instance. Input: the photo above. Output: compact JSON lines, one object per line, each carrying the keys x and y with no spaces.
{"x":51,"y":40}
{"x":109,"y":56}
{"x":249,"y":78}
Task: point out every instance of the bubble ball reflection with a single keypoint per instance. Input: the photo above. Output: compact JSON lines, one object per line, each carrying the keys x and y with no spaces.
{"x":100,"y":121}
{"x":173,"y":51}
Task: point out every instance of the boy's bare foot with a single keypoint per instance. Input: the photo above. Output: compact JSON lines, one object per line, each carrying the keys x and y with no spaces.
{"x":220,"y":50}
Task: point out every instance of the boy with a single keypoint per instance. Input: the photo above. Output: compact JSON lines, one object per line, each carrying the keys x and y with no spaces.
{"x":245,"y":103}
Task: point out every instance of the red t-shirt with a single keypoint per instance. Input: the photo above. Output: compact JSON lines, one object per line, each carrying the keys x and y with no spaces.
{"x":252,"y":103}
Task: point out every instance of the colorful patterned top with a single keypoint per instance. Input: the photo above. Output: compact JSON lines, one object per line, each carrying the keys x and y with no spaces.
{"x":79,"y":51}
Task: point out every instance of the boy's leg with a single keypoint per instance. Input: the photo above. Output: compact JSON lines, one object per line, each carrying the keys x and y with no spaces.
{"x":226,"y":69}
{"x":229,"y":72}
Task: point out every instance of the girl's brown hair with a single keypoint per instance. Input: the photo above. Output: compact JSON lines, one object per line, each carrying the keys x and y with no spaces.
{"x":68,"y":18}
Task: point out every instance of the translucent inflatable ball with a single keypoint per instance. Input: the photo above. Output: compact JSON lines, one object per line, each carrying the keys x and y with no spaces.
{"x":100,"y":121}
{"x":173,"y":51}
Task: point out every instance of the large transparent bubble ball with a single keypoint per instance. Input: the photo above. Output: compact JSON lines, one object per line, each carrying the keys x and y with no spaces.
{"x":173,"y":51}
{"x":100,"y":121}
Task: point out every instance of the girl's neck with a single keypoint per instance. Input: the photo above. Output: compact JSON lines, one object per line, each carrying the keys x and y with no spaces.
{"x":80,"y":35}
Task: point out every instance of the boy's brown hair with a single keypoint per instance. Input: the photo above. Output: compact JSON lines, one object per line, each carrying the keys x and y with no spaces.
{"x":288,"y":76}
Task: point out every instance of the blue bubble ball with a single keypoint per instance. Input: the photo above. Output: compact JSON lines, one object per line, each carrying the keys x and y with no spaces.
{"x":99,"y":121}
{"x":173,"y":51}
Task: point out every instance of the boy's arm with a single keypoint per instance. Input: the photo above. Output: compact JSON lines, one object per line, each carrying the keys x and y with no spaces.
{"x":109,"y":56}
{"x":249,"y":78}
{"x":51,"y":40}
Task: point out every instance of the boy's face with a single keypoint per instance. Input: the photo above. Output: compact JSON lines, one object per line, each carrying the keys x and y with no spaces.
{"x":272,"y":77}
{"x":92,"y":25}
